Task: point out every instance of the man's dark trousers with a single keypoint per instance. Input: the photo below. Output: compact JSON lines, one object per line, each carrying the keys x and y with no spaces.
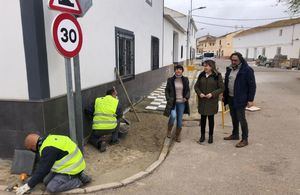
{"x":238,"y":116}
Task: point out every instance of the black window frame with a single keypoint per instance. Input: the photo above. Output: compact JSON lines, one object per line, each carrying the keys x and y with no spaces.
{"x":126,"y":33}
{"x":181,"y":51}
{"x":157,"y":39}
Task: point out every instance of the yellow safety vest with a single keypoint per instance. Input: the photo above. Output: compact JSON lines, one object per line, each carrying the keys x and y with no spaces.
{"x":71,"y":164}
{"x":105,"y":117}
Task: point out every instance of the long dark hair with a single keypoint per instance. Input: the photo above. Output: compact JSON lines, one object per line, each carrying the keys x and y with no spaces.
{"x":212,"y":64}
{"x":240,"y":56}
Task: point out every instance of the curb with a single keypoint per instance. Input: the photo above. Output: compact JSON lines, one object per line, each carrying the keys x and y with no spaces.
{"x":129,"y":180}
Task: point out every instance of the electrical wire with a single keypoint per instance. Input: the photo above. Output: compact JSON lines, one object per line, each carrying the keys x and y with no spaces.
{"x":245,"y":19}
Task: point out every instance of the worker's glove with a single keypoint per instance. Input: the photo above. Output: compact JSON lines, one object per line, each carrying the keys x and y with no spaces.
{"x":23,"y":189}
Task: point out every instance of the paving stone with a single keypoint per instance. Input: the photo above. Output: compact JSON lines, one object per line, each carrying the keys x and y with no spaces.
{"x":151,"y":108}
{"x":162,"y":106}
{"x":155,"y":103}
{"x":23,"y":162}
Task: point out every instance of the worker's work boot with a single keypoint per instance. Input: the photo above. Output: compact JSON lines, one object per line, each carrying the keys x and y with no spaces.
{"x":177,"y":135}
{"x":102,"y":146}
{"x":84,"y":178}
{"x":169,"y":131}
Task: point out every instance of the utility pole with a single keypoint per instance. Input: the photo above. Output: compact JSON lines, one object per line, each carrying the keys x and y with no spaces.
{"x":188,"y":32}
{"x":188,"y":35}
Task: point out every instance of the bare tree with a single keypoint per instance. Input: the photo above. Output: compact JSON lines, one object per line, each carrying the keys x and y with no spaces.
{"x":294,"y":5}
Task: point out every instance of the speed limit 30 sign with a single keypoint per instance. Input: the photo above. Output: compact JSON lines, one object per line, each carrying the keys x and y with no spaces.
{"x":67,"y":35}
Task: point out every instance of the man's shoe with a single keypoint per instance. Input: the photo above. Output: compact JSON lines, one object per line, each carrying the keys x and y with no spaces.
{"x":84,"y":178}
{"x":210,"y":139}
{"x":241,"y":144}
{"x":202,"y":138}
{"x":232,"y":137}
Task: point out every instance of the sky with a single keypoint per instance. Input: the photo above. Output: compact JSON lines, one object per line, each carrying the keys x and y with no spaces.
{"x":230,"y":9}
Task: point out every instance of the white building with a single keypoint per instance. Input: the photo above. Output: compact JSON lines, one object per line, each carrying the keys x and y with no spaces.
{"x":123,"y":34}
{"x":281,"y":37}
{"x":175,"y":37}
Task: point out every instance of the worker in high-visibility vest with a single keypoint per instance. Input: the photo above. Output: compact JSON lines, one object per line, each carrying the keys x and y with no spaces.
{"x":107,"y":112}
{"x":61,"y":164}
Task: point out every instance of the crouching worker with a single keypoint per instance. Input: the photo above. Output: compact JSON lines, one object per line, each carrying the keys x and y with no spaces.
{"x":60,"y":165}
{"x":107,"y":113}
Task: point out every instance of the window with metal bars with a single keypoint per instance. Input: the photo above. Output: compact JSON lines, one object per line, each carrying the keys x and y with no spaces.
{"x":125,"y":54}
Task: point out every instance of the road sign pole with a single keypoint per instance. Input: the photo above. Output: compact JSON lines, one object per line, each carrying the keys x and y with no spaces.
{"x":78,"y":103}
{"x":70,"y":97}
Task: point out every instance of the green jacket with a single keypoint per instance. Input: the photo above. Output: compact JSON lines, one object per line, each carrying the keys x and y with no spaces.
{"x":214,"y":85}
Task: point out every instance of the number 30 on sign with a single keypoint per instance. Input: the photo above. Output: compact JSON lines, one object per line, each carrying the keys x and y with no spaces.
{"x":67,"y":35}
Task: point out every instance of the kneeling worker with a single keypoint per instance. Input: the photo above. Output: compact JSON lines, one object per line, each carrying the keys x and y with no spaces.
{"x":107,"y":113}
{"x":60,"y":165}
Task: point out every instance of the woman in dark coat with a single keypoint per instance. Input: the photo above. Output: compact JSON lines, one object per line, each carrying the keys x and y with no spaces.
{"x":208,"y":87}
{"x":177,"y":95}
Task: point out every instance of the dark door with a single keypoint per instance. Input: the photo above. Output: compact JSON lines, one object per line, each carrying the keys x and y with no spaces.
{"x":154,"y":53}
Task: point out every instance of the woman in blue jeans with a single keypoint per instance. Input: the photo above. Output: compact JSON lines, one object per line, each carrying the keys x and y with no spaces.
{"x":177,"y":95}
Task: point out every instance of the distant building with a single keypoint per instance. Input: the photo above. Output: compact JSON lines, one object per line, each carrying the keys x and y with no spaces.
{"x":206,"y":44}
{"x":221,"y":46}
{"x":224,"y":45}
{"x":280,"y":37}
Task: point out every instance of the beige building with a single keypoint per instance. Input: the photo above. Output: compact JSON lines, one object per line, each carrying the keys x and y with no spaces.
{"x":224,"y":45}
{"x":221,"y":46}
{"x":206,"y":44}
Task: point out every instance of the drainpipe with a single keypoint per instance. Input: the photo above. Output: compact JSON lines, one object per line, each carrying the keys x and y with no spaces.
{"x":293,"y":34}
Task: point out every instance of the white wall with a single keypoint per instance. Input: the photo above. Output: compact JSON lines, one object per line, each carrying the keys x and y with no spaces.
{"x":169,"y":29}
{"x":13,"y":76}
{"x":183,"y":21}
{"x":97,"y":56}
{"x":289,"y":42}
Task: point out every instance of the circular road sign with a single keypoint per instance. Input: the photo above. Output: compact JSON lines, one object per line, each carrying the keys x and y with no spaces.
{"x":67,"y":35}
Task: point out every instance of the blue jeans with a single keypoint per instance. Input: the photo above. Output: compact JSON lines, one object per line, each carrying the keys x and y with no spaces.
{"x":177,"y":114}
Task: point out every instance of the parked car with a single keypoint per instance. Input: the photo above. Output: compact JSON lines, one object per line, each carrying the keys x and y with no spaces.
{"x":208,"y":56}
{"x":199,"y":56}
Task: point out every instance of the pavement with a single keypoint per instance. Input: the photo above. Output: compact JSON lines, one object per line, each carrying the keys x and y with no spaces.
{"x":269,"y":165}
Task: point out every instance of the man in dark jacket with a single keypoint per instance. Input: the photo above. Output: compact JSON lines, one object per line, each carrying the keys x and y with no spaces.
{"x":240,"y":88}
{"x":61,"y":164}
